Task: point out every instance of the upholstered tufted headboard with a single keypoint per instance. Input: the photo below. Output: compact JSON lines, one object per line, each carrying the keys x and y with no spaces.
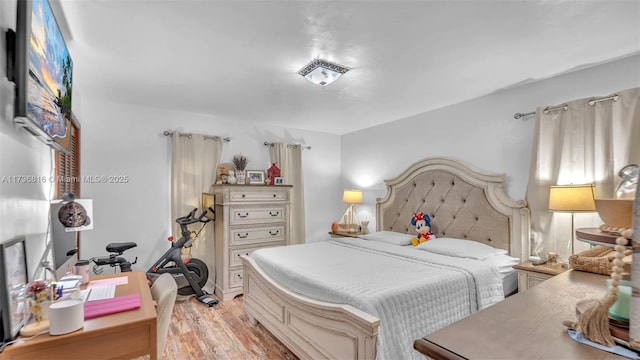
{"x":463,"y":203}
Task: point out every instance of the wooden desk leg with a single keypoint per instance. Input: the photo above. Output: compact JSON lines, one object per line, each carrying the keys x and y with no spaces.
{"x":154,"y":349}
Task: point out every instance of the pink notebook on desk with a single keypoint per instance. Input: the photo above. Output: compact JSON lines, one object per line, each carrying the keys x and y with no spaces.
{"x":114,"y":305}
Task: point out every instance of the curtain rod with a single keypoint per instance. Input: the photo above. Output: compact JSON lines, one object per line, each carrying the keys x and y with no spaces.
{"x":546,"y":110}
{"x":565,"y":107}
{"x":226,"y":139}
{"x":613,"y":97}
{"x":266,"y":143}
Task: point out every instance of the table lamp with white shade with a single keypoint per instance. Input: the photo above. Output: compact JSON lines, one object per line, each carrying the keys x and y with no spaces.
{"x":349,"y":219}
{"x":571,"y":199}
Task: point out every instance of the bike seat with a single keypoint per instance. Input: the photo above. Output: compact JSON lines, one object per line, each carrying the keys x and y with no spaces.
{"x":120,"y":247}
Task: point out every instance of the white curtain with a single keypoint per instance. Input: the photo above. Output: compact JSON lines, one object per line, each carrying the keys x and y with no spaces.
{"x":580,"y":145}
{"x":288,"y":157}
{"x":194,"y":159}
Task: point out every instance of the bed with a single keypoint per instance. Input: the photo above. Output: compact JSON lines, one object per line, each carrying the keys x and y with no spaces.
{"x":356,"y":306}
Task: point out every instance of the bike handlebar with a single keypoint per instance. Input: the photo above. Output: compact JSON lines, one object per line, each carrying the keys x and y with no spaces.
{"x":191,"y":219}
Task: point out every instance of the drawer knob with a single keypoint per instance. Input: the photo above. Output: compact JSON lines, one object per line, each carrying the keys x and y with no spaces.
{"x":239,"y":276}
{"x":243,"y":236}
{"x":274,"y":233}
{"x":274,"y":213}
{"x":274,"y":195}
{"x":243,"y":216}
{"x":243,"y":195}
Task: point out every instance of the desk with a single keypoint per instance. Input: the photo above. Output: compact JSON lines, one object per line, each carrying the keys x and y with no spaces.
{"x":524,"y":326}
{"x":123,"y":335}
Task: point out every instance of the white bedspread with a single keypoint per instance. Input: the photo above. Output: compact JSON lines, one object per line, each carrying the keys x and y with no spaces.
{"x":413,"y":292}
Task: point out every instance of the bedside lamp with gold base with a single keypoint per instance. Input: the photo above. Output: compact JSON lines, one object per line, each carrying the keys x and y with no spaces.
{"x":571,"y":199}
{"x":349,"y":219}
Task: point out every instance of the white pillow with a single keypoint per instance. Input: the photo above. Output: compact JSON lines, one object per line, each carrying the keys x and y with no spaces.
{"x":460,"y":248}
{"x":390,"y":237}
{"x":504,"y":263}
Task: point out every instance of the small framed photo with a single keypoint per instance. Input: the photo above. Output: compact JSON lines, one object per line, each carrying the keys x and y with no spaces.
{"x":255,"y":177}
{"x":13,"y":283}
{"x":278,"y":180}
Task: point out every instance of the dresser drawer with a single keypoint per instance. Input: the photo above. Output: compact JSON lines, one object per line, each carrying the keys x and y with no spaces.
{"x":251,"y":215}
{"x":234,"y":254}
{"x":247,"y":195}
{"x":235,"y":277}
{"x":257,"y":234}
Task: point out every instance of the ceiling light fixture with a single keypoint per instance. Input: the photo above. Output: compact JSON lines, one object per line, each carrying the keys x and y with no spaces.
{"x":322,"y":72}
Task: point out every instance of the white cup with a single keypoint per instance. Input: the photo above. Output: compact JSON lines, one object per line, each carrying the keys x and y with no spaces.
{"x":82,"y":268}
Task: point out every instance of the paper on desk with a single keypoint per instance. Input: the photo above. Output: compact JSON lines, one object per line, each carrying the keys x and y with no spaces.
{"x":120,"y":280}
{"x":84,"y":294}
{"x":68,"y":284}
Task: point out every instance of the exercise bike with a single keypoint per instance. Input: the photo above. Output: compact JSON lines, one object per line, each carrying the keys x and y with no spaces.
{"x":191,"y":274}
{"x":114,"y":259}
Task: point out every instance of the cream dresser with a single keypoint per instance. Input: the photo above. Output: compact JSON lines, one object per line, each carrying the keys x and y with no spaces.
{"x":248,"y":217}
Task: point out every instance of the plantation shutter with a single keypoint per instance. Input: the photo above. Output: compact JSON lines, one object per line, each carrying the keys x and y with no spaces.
{"x":68,"y":167}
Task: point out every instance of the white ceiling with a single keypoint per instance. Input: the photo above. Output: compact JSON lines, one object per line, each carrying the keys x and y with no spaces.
{"x":238,"y":60}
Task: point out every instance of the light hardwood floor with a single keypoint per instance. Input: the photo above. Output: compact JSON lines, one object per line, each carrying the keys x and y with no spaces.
{"x":220,"y":332}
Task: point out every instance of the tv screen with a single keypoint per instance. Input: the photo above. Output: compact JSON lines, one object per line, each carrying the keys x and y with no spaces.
{"x":43,"y":75}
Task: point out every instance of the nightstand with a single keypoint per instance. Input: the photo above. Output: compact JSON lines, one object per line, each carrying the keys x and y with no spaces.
{"x":530,"y":275}
{"x":340,"y":234}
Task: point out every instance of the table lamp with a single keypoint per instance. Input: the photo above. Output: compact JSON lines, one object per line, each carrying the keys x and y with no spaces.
{"x":351,"y":197}
{"x":572,"y":199}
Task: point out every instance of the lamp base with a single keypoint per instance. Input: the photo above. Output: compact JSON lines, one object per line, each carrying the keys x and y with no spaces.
{"x":34,"y":328}
{"x":349,"y":218}
{"x":351,"y":228}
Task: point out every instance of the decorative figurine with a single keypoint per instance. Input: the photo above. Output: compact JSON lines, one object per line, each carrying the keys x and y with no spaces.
{"x":272,"y":173}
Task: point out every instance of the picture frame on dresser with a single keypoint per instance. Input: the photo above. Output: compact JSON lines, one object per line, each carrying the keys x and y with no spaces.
{"x":13,"y":281}
{"x":255,"y":177}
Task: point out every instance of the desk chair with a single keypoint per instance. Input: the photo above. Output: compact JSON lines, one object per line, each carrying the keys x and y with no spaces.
{"x":164,"y":291}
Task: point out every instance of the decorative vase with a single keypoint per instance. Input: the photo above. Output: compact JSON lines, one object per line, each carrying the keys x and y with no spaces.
{"x":241,"y":176}
{"x":38,"y":304}
{"x":364,"y":226}
{"x":231,"y":177}
{"x":36,"y":295}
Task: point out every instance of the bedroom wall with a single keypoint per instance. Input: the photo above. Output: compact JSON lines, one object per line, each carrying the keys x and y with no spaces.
{"x":482,"y":132}
{"x":120,"y":139}
{"x":24,"y":207}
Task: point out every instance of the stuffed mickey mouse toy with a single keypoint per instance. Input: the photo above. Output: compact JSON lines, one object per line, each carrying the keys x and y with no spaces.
{"x":422,"y":222}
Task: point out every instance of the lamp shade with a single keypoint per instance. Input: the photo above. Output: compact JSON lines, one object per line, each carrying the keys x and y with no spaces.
{"x":352,"y":196}
{"x":571,"y":198}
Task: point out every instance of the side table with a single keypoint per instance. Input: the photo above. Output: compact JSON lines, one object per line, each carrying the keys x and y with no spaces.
{"x":530,"y":275}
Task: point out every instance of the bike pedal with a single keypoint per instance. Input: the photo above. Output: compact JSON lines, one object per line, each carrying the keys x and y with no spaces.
{"x":208,"y":300}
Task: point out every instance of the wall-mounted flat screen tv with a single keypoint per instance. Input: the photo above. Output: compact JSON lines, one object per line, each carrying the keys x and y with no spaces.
{"x":43,"y":75}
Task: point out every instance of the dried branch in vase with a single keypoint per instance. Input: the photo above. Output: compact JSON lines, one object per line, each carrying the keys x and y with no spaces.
{"x":240,"y":162}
